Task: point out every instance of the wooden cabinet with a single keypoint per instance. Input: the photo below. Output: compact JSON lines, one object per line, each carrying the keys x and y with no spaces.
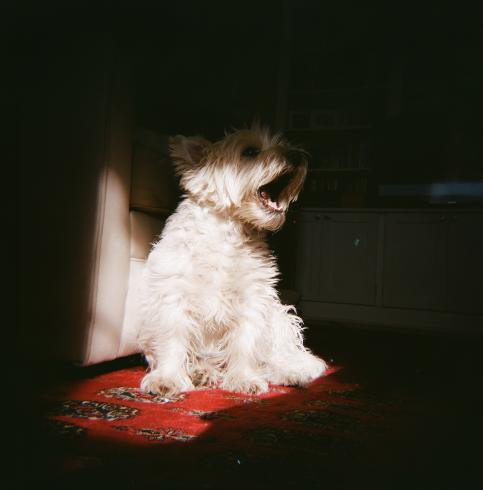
{"x":414,"y":263}
{"x":402,"y":267}
{"x":337,"y":257}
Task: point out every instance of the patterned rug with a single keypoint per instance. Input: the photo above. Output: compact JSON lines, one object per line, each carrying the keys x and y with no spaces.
{"x":111,"y":406}
{"x":104,"y":428}
{"x":388,"y":417}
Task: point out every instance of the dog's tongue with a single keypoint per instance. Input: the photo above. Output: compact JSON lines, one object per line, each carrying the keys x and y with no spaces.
{"x":265,"y":195}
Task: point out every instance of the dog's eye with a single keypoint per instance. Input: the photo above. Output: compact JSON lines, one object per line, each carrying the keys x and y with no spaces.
{"x":250,"y":152}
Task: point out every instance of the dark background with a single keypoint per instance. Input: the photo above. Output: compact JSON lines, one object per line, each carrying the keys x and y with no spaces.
{"x":202,"y":67}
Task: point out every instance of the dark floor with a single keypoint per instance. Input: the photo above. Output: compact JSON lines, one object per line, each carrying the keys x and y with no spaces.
{"x":441,"y":375}
{"x":438,"y":377}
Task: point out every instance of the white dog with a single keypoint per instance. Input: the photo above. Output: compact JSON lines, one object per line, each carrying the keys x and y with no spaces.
{"x":211,"y":313}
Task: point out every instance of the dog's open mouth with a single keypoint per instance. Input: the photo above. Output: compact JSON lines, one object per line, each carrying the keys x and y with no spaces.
{"x":269,"y":194}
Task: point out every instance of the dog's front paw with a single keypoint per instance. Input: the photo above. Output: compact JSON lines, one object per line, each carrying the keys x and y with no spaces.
{"x":251,"y":385}
{"x":156,"y":384}
{"x":308,"y":368}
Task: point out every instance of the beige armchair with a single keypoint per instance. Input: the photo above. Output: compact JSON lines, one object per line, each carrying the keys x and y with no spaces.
{"x":135,"y":197}
{"x":94,"y":195}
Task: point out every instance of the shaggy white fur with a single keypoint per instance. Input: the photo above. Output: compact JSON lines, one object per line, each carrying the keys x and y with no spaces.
{"x":211,"y":313}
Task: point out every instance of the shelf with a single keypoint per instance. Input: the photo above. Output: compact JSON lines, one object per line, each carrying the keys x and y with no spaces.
{"x":339,"y":170}
{"x":328,"y":129}
{"x":334,"y":90}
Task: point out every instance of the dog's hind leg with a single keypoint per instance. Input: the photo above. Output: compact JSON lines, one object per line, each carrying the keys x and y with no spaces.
{"x":290,"y":362}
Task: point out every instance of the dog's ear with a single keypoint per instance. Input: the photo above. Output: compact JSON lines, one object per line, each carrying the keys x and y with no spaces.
{"x":187,"y":153}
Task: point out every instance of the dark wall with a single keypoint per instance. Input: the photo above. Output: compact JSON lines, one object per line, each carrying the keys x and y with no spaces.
{"x":206,"y":67}
{"x":435,"y":132}
{"x":201,"y":67}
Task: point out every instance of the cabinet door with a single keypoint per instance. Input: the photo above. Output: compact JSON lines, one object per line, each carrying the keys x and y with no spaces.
{"x":337,"y":257}
{"x":309,"y":256}
{"x":414,"y":267}
{"x":350,"y":250}
{"x":465,"y":263}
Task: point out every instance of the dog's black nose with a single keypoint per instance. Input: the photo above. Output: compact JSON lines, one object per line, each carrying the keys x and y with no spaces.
{"x":295,"y":157}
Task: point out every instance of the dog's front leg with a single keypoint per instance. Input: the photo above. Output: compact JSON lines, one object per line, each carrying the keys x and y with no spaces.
{"x":242,"y":373}
{"x":166,"y":352}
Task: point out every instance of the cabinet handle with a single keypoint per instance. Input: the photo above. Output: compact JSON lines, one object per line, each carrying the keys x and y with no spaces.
{"x":442,"y":218}
{"x":327,"y":218}
{"x":317,"y":217}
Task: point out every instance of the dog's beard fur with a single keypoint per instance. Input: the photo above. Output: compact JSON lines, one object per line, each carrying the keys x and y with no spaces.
{"x":211,"y":314}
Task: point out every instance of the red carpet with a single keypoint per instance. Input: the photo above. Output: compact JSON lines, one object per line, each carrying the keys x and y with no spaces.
{"x":373,"y":422}
{"x":112,"y":408}
{"x":108,"y":412}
